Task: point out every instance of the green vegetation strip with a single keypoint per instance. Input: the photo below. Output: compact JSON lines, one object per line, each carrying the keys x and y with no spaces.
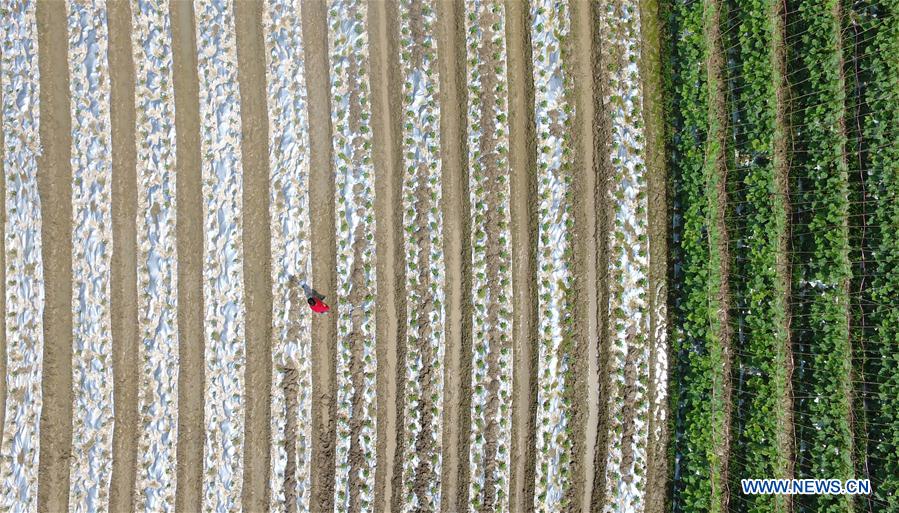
{"x":821,"y":249}
{"x":760,"y":370}
{"x":881,"y":130}
{"x":700,"y":377}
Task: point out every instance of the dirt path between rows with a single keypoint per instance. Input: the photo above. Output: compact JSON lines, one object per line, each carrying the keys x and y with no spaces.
{"x":720,"y":257}
{"x":123,"y":279}
{"x":189,"y":233}
{"x":785,"y":431}
{"x":590,"y":254}
{"x":457,"y":251}
{"x":390,"y":315}
{"x":257,"y":262}
{"x":55,"y":187}
{"x":525,"y":335}
{"x":324,"y":254}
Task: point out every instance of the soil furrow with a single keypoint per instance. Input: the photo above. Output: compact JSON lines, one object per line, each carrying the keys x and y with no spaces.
{"x":257,"y":270}
{"x":189,"y":233}
{"x":324,"y":257}
{"x":123,"y":285}
{"x":55,"y":186}
{"x":390,"y":315}
{"x":522,"y":162}
{"x":590,"y":256}
{"x":290,"y":385}
{"x":456,"y":242}
{"x":781,"y":162}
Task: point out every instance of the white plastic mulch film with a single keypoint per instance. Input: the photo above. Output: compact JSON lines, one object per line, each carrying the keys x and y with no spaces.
{"x":24,"y":287}
{"x":554,"y":112}
{"x":491,"y":404}
{"x":291,"y":265}
{"x":354,"y":299}
{"x":220,"y":137}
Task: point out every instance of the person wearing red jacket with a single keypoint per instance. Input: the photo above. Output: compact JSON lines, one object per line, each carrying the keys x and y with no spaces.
{"x":315,"y":300}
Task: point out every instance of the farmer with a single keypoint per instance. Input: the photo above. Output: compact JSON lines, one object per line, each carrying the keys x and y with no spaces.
{"x":315,"y":300}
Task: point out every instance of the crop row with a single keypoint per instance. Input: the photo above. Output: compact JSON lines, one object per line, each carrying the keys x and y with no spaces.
{"x":24,"y":287}
{"x":223,"y":302}
{"x":491,"y":259}
{"x":698,"y":161}
{"x":759,"y":226}
{"x":291,"y":258}
{"x":554,"y":110}
{"x":628,"y":264}
{"x":91,"y":250}
{"x":157,"y":260}
{"x":880,"y":135}
{"x":355,"y":298}
{"x":790,"y":274}
{"x":693,"y":338}
{"x":821,"y":278}
{"x":425,"y":283}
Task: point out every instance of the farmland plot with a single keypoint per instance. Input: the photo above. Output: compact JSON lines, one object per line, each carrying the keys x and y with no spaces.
{"x":511,"y":209}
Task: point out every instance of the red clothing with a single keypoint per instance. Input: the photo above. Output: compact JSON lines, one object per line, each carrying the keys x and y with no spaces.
{"x":317,"y":305}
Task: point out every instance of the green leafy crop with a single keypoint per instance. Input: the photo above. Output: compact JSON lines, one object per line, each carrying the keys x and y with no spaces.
{"x":821,"y":251}
{"x":759,"y":220}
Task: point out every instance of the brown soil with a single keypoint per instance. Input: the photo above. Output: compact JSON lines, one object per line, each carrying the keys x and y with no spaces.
{"x":324,"y":256}
{"x":522,"y":162}
{"x":718,"y":133}
{"x":457,"y":251}
{"x":424,"y":447}
{"x":257,"y":272}
{"x":589,"y":386}
{"x":189,"y":246}
{"x":358,"y":292}
{"x":290,"y":386}
{"x":55,"y":188}
{"x":628,"y":410}
{"x":123,"y":284}
{"x":785,"y":433}
{"x":584,"y":387}
{"x":390,"y":316}
{"x":290,"y":383}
